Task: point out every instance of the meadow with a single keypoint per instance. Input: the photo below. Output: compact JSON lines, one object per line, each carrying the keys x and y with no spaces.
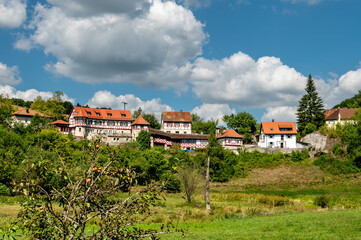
{"x":273,"y":203}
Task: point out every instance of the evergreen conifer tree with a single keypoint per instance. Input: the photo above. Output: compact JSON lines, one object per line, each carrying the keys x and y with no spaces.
{"x":310,"y":111}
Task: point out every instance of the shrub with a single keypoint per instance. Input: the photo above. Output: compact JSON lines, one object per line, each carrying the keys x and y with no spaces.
{"x":322,"y":201}
{"x":335,"y":166}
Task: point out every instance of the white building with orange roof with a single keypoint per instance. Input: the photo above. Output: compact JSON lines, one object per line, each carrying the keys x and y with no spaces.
{"x":278,"y":135}
{"x":230,"y":139}
{"x":176,"y":122}
{"x":113,"y":126}
{"x":138,"y":125}
{"x":24,"y":115}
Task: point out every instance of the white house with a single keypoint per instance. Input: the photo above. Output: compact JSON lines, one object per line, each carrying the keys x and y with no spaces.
{"x":339,"y":116}
{"x":24,"y":115}
{"x":278,"y":135}
{"x":176,"y":122}
{"x":230,"y":139}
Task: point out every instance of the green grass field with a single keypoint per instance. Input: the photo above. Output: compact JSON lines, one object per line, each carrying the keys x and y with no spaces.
{"x":341,"y":224}
{"x":273,"y":203}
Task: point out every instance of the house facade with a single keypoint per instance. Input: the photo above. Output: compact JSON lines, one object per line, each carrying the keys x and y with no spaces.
{"x":176,"y":122}
{"x":230,"y":139}
{"x":24,"y":116}
{"x":185,"y":141}
{"x":278,"y":135}
{"x":339,"y":116}
{"x":113,"y":126}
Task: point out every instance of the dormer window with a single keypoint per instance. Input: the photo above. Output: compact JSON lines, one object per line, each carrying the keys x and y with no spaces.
{"x":271,"y":129}
{"x":109,"y":114}
{"x":89,"y":113}
{"x":123,"y":115}
{"x":98,"y":114}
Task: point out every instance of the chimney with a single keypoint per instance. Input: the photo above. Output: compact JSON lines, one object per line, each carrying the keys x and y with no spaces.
{"x":140,"y":111}
{"x":273,"y":120}
{"x":27,"y":110}
{"x":181,"y":110}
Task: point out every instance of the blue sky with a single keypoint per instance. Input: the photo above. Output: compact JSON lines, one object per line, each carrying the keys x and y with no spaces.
{"x":213,"y":57}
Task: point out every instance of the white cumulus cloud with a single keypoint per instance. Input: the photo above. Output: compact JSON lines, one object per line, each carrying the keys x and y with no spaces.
{"x":213,"y":111}
{"x":242,"y":81}
{"x":30,"y":94}
{"x":9,"y":75}
{"x":107,"y":99}
{"x":280,"y":114}
{"x":12,"y":13}
{"x":147,"y":43}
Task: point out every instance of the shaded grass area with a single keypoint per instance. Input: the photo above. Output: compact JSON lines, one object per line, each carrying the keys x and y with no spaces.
{"x":342,"y":224}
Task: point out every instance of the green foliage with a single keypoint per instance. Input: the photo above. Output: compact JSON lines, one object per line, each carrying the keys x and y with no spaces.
{"x":310,"y":109}
{"x":243,"y":122}
{"x":201,"y":126}
{"x":143,"y":140}
{"x":354,"y":102}
{"x":299,"y":156}
{"x":54,"y":106}
{"x":6,"y":109}
{"x":322,"y":201}
{"x":12,"y":150}
{"x":247,"y":138}
{"x":335,"y":166}
{"x":4,"y":190}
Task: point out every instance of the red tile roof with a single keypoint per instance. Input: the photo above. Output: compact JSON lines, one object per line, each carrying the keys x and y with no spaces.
{"x":345,"y":113}
{"x":176,"y":117}
{"x":60,"y":122}
{"x":229,"y":133}
{"x":104,"y":114}
{"x":140,"y":121}
{"x":275,"y":127}
{"x":29,"y":113}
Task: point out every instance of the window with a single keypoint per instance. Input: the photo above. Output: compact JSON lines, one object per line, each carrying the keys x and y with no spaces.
{"x":123,"y":115}
{"x":98,"y":114}
{"x":185,"y":132}
{"x":89,"y":113}
{"x":79,"y":129}
{"x":177,"y":132}
{"x":270,"y":136}
{"x":288,"y":136}
{"x":271,"y":129}
{"x":109,"y":114}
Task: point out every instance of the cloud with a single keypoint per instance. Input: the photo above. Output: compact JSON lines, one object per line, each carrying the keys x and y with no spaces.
{"x":12,"y":13}
{"x":147,"y":43}
{"x":309,"y":2}
{"x":280,"y":114}
{"x":247,"y":83}
{"x":29,"y":95}
{"x":107,"y":99}
{"x":9,"y":75}
{"x":213,"y":111}
{"x":195,"y":3}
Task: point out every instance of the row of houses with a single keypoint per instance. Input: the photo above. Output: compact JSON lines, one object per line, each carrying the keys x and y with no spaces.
{"x":115,"y":127}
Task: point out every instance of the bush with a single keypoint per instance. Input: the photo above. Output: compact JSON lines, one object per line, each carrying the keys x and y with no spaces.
{"x":4,"y":190}
{"x":322,"y":201}
{"x":335,"y":166}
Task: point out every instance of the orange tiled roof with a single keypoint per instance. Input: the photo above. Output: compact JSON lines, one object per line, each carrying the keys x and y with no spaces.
{"x":176,"y":117}
{"x":346,"y":113}
{"x":29,"y":113}
{"x":60,"y":122}
{"x":229,"y":133}
{"x":104,"y":114}
{"x":274,"y":127}
{"x":140,"y":121}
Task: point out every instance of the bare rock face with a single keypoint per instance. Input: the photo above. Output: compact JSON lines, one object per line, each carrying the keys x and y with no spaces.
{"x":319,"y":142}
{"x":315,"y":140}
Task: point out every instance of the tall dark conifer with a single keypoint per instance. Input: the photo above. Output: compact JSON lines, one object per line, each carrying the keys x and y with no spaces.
{"x":310,"y":111}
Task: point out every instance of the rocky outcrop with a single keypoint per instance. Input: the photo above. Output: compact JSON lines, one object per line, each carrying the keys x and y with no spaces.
{"x":319,"y":142}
